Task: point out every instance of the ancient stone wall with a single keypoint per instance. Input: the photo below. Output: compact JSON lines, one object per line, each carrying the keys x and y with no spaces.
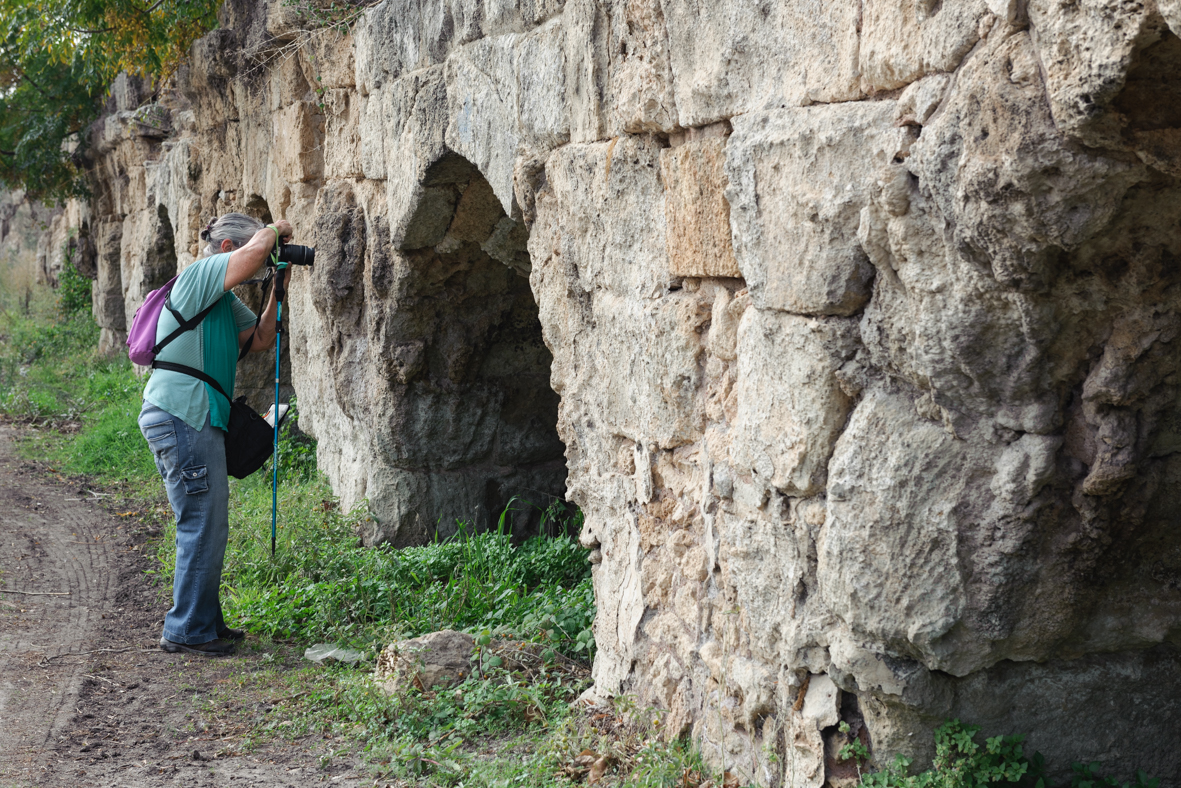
{"x":859,"y":318}
{"x":24,"y":240}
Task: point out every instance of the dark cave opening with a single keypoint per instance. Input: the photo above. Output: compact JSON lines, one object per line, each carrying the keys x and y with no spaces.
{"x":481,"y":373}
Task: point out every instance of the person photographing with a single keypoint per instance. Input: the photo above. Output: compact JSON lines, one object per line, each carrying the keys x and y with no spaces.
{"x":185,"y":419}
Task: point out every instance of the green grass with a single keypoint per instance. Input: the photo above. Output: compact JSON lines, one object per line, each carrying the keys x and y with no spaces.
{"x":321,"y":584}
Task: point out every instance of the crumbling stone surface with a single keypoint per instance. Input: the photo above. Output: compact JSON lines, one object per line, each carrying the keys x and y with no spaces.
{"x":856,"y":323}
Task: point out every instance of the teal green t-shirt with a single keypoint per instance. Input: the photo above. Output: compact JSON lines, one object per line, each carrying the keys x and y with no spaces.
{"x":211,"y":347}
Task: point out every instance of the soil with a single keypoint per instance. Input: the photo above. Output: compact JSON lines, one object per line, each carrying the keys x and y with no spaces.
{"x":86,"y":695}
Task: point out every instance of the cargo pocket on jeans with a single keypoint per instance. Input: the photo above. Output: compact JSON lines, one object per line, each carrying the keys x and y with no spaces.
{"x":196,"y":479}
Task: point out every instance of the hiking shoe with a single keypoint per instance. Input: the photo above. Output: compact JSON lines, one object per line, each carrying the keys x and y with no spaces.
{"x":229,"y":633}
{"x":214,"y":648}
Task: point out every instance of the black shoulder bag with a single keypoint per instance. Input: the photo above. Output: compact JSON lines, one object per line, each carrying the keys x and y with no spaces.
{"x":248,"y":436}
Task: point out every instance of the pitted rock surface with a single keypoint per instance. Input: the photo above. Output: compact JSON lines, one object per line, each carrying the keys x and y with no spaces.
{"x":857,"y":325}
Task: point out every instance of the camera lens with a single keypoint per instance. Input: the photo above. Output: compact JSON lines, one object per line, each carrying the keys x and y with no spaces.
{"x":294,"y":254}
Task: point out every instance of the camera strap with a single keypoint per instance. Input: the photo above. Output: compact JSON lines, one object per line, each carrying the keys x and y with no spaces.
{"x":192,"y":372}
{"x":262,"y":308}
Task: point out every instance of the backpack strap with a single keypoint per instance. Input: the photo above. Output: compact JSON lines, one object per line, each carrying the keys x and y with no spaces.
{"x":185,"y":325}
{"x":193,"y":372}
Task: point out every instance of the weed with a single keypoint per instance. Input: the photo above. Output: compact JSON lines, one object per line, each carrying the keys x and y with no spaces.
{"x":960,"y":762}
{"x":73,"y":289}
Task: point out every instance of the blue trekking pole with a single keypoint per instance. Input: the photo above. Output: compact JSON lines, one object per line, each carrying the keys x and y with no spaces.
{"x":285,"y":254}
{"x":280,"y":272}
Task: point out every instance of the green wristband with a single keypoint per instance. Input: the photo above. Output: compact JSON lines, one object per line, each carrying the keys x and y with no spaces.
{"x":275,"y":250}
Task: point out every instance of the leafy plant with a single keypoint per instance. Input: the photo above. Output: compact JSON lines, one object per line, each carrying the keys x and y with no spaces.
{"x":73,"y":289}
{"x":960,"y":762}
{"x":57,"y":60}
{"x":1085,"y":775}
{"x":853,"y":749}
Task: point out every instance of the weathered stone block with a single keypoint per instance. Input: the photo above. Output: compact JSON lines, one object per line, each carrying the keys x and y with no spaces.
{"x":798,"y":179}
{"x":606,"y":205}
{"x":734,"y":58}
{"x":299,"y":139}
{"x":888,"y":555}
{"x":641,"y":76}
{"x":791,"y":408}
{"x":696,"y":209}
{"x":396,"y":37}
{"x":342,"y":134}
{"x":902,"y":41}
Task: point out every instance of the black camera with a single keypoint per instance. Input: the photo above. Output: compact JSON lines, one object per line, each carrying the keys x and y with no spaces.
{"x":294,"y":254}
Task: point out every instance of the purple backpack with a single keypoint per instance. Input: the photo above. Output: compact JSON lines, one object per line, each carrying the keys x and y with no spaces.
{"x":141,"y":339}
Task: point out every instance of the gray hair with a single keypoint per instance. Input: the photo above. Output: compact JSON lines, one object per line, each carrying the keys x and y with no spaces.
{"x":238,"y":228}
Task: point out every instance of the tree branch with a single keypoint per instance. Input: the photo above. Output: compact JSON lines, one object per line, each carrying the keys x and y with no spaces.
{"x":16,"y":66}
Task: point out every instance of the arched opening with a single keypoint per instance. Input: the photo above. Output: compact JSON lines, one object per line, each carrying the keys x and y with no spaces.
{"x":478,"y":379}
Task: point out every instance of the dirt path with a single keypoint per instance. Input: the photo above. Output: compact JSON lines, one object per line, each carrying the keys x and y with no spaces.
{"x":86,"y":696}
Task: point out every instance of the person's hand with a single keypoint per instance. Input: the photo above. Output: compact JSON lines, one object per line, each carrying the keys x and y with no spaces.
{"x":285,"y":229}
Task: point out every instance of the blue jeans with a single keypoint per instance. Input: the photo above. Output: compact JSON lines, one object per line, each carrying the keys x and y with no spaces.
{"x":193,"y":465}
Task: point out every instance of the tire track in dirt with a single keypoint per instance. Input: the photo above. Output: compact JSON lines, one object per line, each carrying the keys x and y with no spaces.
{"x":49,"y":546}
{"x":86,"y":695}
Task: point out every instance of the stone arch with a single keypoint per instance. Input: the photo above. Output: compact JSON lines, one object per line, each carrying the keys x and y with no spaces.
{"x":461,"y":349}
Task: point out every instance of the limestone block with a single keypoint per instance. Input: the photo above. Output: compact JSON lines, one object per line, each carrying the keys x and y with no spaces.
{"x":505,"y":96}
{"x":1086,"y":50}
{"x":413,"y":114}
{"x":373,"y":133}
{"x":342,"y":134}
{"x":108,"y":289}
{"x":284,"y":21}
{"x":542,"y":112}
{"x":441,"y":658}
{"x":798,"y":179}
{"x":822,"y":702}
{"x":208,"y":79}
{"x":998,"y":175}
{"x":513,"y":16}
{"x":791,"y":408}
{"x":889,"y":563}
{"x":468,"y":18}
{"x":780,"y":590}
{"x":396,"y":37}
{"x":902,"y":41}
{"x":921,"y":98}
{"x":171,"y":184}
{"x":288,"y":83}
{"x":147,"y":257}
{"x":330,"y":59}
{"x":298,"y":142}
{"x":126,"y":93}
{"x":729,"y":59}
{"x":587,"y":66}
{"x":641,"y":74}
{"x":605,"y":204}
{"x":1128,"y":682}
{"x":696,"y":209}
{"x":643,"y":382}
{"x":618,"y":583}
{"x":482,"y":96}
